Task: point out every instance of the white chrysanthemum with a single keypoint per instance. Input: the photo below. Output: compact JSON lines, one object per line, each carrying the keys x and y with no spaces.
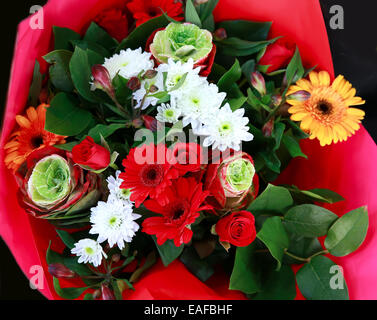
{"x":144,"y":101}
{"x":114,"y":183}
{"x":198,"y":103}
{"x":129,"y":63}
{"x":175,"y":72}
{"x":226,"y":130}
{"x":114,"y":221}
{"x":89,"y":251}
{"x":167,"y":113}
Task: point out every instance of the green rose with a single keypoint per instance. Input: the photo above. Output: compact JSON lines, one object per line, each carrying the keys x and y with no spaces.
{"x":181,"y":42}
{"x":50,"y":181}
{"x":240,"y":174}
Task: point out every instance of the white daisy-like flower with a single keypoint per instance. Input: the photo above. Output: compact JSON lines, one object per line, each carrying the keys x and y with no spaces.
{"x":129,"y":63}
{"x":143,"y":99}
{"x":114,"y":183}
{"x":89,"y":251}
{"x":168,"y":113}
{"x":226,"y":130}
{"x":114,"y":221}
{"x":175,"y":71}
{"x":198,"y":103}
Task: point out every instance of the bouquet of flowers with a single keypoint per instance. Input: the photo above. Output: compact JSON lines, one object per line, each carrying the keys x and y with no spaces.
{"x":159,"y":132}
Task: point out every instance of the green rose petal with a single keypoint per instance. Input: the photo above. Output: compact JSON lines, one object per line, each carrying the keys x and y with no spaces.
{"x":49,"y":182}
{"x":181,"y":42}
{"x":240,"y":174}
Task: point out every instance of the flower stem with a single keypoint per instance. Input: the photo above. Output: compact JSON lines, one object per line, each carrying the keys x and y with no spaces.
{"x":307,"y":260}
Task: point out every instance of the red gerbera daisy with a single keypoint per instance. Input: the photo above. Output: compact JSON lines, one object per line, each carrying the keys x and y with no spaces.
{"x":185,"y":201}
{"x":148,"y":172}
{"x":144,"y":10}
{"x":188,"y":157}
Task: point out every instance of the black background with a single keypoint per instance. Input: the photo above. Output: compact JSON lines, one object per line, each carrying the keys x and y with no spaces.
{"x":354,"y":52}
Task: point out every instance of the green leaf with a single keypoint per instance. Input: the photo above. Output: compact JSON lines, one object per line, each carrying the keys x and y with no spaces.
{"x":280,"y":285}
{"x":317,"y":195}
{"x":86,"y":202}
{"x":248,"y":68}
{"x":84,"y":44}
{"x":278,"y":133}
{"x":68,"y":293}
{"x":191,"y":15}
{"x":274,"y":200}
{"x":230,"y":77}
{"x":63,"y":37}
{"x":99,"y":36}
{"x":168,"y":251}
{"x":272,"y":160}
{"x":104,"y":131}
{"x":247,"y":30}
{"x":348,"y":233}
{"x":240,"y":48}
{"x":59,"y":69}
{"x":36,"y":86}
{"x":67,"y":146}
{"x":63,"y":117}
{"x":274,"y":236}
{"x":81,"y":73}
{"x":293,"y":147}
{"x":207,"y":8}
{"x":315,"y":277}
{"x":309,"y":220}
{"x":138,"y":37}
{"x":149,"y":262}
{"x":246,"y":275}
{"x":199,"y":267}
{"x":66,"y":238}
{"x":295,"y":69}
{"x":301,"y":247}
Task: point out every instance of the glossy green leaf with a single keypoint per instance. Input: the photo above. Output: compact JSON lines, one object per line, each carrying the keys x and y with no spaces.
{"x":59,"y":69}
{"x":66,"y":238}
{"x":276,"y":239}
{"x":63,"y":38}
{"x":99,"y":36}
{"x":348,"y":233}
{"x":230,"y":77}
{"x":301,"y":247}
{"x":316,"y":279}
{"x":104,"y":131}
{"x":309,"y":220}
{"x":168,"y":251}
{"x":274,"y":200}
{"x":197,"y":266}
{"x":36,"y":86}
{"x":68,"y":293}
{"x":191,"y":15}
{"x":295,"y":69}
{"x":240,"y":48}
{"x":64,"y":117}
{"x":293,"y":147}
{"x":247,"y":30}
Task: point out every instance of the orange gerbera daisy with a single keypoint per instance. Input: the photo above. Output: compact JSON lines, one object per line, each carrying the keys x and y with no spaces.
{"x":30,"y":136}
{"x":326,"y":113}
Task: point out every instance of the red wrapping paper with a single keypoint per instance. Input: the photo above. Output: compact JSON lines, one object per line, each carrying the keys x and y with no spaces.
{"x":347,"y":168}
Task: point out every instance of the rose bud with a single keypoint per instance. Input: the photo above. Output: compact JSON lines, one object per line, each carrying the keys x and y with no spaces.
{"x":233,"y":183}
{"x":102,"y":79}
{"x":150,"y":74}
{"x":91,"y":155}
{"x":300,"y":96}
{"x":51,"y":184}
{"x":278,"y":55}
{"x":107,"y":293}
{"x":220,"y":34}
{"x":257,"y":81}
{"x":237,"y":228}
{"x":268,"y":128}
{"x":150,"y":122}
{"x":59,"y":270}
{"x":134,"y":84}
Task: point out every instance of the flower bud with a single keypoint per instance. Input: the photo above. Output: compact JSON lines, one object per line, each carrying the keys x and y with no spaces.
{"x":268,"y":128}
{"x":220,"y":34}
{"x":107,"y":293}
{"x":150,"y":74}
{"x":115,"y":258}
{"x":102,"y":79}
{"x":257,"y":81}
{"x":150,"y":122}
{"x":59,"y":270}
{"x":137,"y":123}
{"x":134,"y":84}
{"x":276,"y":100}
{"x":153,"y":88}
{"x":97,"y":294}
{"x":300,"y":96}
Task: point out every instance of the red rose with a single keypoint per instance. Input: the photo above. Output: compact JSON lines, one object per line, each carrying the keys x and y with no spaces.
{"x":91,"y":155}
{"x":144,"y":10}
{"x":114,"y":21}
{"x":238,"y":228}
{"x":278,"y":55}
